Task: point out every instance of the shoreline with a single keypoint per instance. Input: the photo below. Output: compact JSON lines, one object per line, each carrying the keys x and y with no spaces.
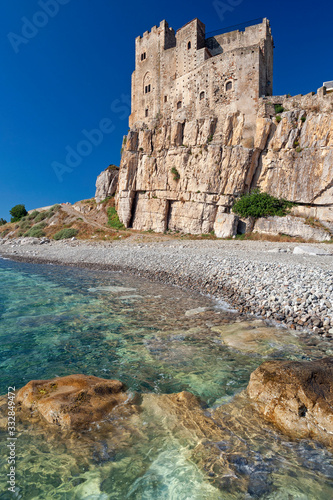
{"x":263,"y":279}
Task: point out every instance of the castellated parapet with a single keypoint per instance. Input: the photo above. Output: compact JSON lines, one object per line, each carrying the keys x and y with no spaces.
{"x":205,"y":128}
{"x":184,"y":76}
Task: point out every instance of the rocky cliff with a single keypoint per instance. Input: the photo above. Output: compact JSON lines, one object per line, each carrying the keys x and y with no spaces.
{"x":185,"y":175}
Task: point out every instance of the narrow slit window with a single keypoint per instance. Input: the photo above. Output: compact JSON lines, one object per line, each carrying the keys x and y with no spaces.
{"x":165,"y":98}
{"x":143,"y":56}
{"x":228,"y":86}
{"x":147,"y":89}
{"x":202,"y":96}
{"x":189,"y":45}
{"x":146,"y":112}
{"x":179,"y":104}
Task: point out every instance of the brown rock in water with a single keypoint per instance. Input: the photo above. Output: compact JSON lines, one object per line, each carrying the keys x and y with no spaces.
{"x":72,"y":402}
{"x":296,"y":396}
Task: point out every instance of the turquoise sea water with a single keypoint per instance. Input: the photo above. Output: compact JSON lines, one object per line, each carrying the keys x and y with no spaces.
{"x":56,"y":321}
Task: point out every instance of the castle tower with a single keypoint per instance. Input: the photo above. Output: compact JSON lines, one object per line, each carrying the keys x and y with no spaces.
{"x":185,"y":76}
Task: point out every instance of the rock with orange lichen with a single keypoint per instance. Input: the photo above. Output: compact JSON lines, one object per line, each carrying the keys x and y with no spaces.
{"x":74,"y":401}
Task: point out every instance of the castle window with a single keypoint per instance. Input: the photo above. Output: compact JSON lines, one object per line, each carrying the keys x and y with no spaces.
{"x":188,"y":45}
{"x":146,"y":112}
{"x":165,"y":98}
{"x":202,"y":95}
{"x":179,"y":104}
{"x":228,"y":86}
{"x":147,"y":89}
{"x":143,"y":56}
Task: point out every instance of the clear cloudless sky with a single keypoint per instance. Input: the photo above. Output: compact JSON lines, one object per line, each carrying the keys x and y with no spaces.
{"x":74,"y":70}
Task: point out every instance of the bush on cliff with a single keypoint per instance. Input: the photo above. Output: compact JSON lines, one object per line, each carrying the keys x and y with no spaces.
{"x":36,"y":231}
{"x":113,"y":219}
{"x":2,"y":222}
{"x":63,"y":234}
{"x":257,"y":204}
{"x":17,"y":213}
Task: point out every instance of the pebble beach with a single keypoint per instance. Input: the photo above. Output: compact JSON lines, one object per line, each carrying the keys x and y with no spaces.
{"x":275,"y":281}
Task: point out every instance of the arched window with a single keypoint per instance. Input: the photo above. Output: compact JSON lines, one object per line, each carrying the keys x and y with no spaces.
{"x":202,"y":95}
{"x":143,"y":56}
{"x":165,"y":98}
{"x":188,"y":45}
{"x":179,"y":104}
{"x":146,"y":112}
{"x":228,"y":86}
{"x":147,"y":83}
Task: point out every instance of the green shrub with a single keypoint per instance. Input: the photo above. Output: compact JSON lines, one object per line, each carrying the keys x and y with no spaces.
{"x":36,"y":231}
{"x":299,"y":149}
{"x":32,"y":215}
{"x":303,"y":119}
{"x":176,"y":175}
{"x":41,"y":216}
{"x":17,"y":213}
{"x":25,"y":224}
{"x":63,"y":234}
{"x":2,"y":222}
{"x":113,"y":219}
{"x":278,"y":118}
{"x":278,"y":108}
{"x":257,"y":204}
{"x":210,"y":138}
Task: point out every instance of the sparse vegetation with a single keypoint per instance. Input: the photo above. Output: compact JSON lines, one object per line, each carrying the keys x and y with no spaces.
{"x":278,"y":108}
{"x":257,"y":204}
{"x":32,"y":215}
{"x":176,"y":175}
{"x":298,"y":149}
{"x":2,"y":222}
{"x":303,"y":119}
{"x":113,"y":167}
{"x":113,"y":219}
{"x":210,"y":138}
{"x":17,"y":213}
{"x":36,"y":231}
{"x":278,"y":118}
{"x":65,"y":233}
{"x":24,"y":224}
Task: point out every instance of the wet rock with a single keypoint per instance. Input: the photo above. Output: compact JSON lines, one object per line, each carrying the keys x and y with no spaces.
{"x":72,"y":402}
{"x":296,"y":396}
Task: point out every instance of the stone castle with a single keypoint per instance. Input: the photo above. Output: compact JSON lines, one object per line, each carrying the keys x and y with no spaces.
{"x":204,"y":129}
{"x":184,"y":76}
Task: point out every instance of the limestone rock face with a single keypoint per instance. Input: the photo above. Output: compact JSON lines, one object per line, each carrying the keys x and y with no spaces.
{"x":225,"y":225}
{"x":292,"y":226}
{"x":72,"y":402}
{"x":183,"y":175}
{"x":106,"y":184}
{"x":296,"y":396}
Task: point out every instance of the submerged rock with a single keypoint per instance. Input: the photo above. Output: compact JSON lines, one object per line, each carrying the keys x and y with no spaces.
{"x":72,"y":402}
{"x":296,"y":396}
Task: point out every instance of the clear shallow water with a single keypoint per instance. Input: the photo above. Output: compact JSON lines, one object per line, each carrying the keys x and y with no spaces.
{"x":55,"y":321}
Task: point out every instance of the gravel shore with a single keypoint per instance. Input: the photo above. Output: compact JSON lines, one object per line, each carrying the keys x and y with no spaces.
{"x":262,"y":278}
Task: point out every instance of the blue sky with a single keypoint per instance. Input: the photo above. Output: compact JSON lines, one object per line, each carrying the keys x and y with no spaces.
{"x":71,"y":74}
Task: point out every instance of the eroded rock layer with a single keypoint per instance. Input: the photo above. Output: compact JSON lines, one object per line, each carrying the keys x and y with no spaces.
{"x":184,"y":175}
